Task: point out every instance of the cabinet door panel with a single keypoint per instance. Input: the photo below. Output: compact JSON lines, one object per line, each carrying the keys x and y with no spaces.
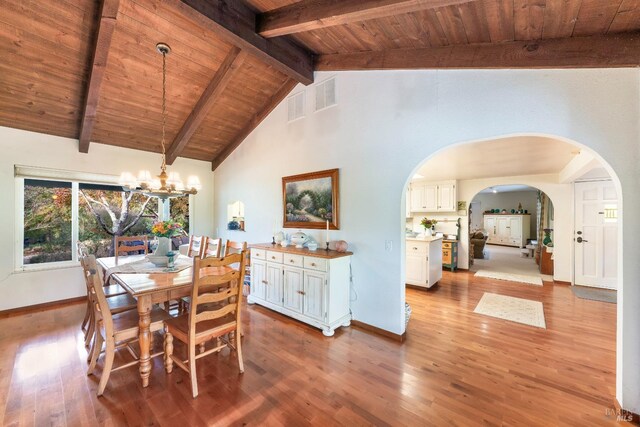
{"x":515,"y":230}
{"x":430,"y":202}
{"x":258,"y":279}
{"x":274,"y":283}
{"x":313,"y":298}
{"x":446,"y":194}
{"x":293,"y":286}
{"x":416,"y":269}
{"x":416,"y":194}
{"x":502,"y":225}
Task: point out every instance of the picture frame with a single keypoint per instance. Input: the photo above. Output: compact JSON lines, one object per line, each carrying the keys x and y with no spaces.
{"x":310,"y":199}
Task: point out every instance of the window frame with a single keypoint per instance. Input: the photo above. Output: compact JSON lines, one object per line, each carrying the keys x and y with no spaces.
{"x":19,"y":266}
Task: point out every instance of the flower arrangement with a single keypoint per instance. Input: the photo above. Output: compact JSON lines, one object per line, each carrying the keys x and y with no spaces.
{"x":166,"y":229}
{"x":428,"y":223}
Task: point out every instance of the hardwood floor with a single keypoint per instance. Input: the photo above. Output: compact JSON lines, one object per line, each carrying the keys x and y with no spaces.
{"x":455,"y":368}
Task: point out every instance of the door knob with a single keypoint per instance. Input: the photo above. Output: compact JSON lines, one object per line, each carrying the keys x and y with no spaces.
{"x":580,"y":240}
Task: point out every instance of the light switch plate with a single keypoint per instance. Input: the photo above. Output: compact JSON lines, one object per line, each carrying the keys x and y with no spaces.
{"x":388,"y":245}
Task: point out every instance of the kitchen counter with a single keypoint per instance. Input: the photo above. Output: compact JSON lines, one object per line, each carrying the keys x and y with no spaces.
{"x":424,"y":239}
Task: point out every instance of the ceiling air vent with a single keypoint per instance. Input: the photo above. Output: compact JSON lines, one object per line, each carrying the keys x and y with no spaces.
{"x":326,"y":94}
{"x":295,"y":104}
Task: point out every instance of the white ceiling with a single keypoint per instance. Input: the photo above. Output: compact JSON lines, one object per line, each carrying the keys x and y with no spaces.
{"x":508,"y":188}
{"x":501,"y":157}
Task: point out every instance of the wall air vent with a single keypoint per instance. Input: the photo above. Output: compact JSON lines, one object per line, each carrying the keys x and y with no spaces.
{"x":295,"y":106}
{"x":326,"y":94}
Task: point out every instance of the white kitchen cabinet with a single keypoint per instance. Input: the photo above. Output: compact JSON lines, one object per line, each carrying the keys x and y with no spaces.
{"x":433,"y":196}
{"x":508,"y":230}
{"x":423,"y":266}
{"x":310,"y":286}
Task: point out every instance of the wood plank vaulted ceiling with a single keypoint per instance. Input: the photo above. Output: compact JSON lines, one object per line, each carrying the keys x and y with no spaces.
{"x":88,"y":69}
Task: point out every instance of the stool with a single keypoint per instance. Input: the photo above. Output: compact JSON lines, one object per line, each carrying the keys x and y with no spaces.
{"x":524,"y":253}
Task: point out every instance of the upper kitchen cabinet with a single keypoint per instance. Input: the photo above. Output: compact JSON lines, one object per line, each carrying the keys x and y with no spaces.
{"x":433,"y":196}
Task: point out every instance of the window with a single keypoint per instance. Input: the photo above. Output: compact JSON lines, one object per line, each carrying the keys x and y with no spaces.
{"x":55,"y":213}
{"x":179,"y":211}
{"x":47,"y":222}
{"x":105,"y":210}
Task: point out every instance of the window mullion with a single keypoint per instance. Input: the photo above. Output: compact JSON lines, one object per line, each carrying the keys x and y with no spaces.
{"x":19,"y":221}
{"x":75,"y":226}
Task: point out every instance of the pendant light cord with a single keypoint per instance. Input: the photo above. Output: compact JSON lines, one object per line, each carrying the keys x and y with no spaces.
{"x":164,"y":106}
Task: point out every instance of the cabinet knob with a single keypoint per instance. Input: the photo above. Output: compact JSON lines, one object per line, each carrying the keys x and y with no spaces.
{"x":291,"y":260}
{"x":313,"y":264}
{"x":273,"y":257}
{"x":415,"y":249}
{"x":265,"y":282}
{"x":301,"y":292}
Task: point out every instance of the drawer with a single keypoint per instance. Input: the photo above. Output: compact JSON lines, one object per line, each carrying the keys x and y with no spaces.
{"x":315,"y":263}
{"x":293,"y":260}
{"x":416,"y":248}
{"x":273,"y":256}
{"x":258,"y":254}
{"x":446,"y":245}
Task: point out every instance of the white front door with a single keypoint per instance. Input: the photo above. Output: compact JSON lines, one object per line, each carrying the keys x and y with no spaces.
{"x":596,"y":234}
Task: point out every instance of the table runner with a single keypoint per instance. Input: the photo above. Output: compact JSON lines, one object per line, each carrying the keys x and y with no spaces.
{"x":145,"y":266}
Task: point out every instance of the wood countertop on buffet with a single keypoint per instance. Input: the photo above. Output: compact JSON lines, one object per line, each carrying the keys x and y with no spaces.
{"x":319,"y":253}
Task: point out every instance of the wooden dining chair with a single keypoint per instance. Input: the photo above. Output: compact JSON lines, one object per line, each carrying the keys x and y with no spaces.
{"x":117,"y":303}
{"x":212,"y":247}
{"x":109,"y":291}
{"x":196,"y":245}
{"x":234,"y":247}
{"x":114,"y":330}
{"x":130,"y":244}
{"x":214,"y":314}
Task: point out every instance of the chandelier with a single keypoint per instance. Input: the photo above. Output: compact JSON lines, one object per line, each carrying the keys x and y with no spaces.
{"x":166,"y":185}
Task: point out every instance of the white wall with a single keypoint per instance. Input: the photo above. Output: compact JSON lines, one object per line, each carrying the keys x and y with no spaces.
{"x":509,"y":200}
{"x":19,"y":289}
{"x":386,"y":123}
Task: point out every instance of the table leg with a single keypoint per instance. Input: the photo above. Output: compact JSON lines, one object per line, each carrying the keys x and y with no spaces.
{"x":144,"y":311}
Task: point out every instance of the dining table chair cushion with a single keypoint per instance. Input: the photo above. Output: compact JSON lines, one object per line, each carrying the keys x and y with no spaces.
{"x":205,"y":330}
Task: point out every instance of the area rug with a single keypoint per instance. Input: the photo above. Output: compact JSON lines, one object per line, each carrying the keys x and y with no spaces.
{"x":513,"y":309}
{"x":512,"y":277}
{"x":595,"y":294}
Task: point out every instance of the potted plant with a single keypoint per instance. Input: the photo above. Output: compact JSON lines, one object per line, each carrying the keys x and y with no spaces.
{"x":164,"y":231}
{"x":429,"y":225}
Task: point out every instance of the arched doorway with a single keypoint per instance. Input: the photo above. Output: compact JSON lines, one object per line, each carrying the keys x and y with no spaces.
{"x":549,"y":182}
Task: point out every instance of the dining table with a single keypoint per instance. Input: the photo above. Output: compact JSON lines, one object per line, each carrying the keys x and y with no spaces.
{"x":149,"y":288}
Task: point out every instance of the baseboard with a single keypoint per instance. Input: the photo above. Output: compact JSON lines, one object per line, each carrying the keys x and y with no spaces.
{"x":40,"y":307}
{"x":624,"y":415}
{"x":378,"y":331}
{"x":561,"y":282}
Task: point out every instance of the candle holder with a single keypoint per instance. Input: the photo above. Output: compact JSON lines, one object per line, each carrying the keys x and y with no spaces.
{"x":327,"y":248}
{"x":273,"y":240}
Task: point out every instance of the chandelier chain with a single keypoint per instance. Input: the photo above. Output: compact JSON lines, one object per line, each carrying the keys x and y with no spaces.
{"x":164,"y":106}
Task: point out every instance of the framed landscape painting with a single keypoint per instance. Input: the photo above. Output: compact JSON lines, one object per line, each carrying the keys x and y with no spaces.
{"x":310,"y":199}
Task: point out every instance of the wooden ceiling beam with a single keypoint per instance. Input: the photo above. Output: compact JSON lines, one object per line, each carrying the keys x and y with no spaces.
{"x":235,"y":23}
{"x":106,"y":26}
{"x":308,"y":15}
{"x":608,"y":51}
{"x":269,"y":106}
{"x":212,"y":92}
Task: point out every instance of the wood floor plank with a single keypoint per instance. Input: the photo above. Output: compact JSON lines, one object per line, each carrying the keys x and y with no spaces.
{"x":456,"y":367}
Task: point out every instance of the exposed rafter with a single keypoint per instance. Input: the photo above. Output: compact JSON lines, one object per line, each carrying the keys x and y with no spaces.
{"x":308,"y":15}
{"x":615,"y":50}
{"x":216,"y":86}
{"x":106,"y":25}
{"x":234,"y":22}
{"x":254,"y":122}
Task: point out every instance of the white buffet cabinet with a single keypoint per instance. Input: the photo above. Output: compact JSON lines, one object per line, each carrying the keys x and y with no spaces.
{"x":508,"y":230}
{"x":310,"y":286}
{"x":424,"y":261}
